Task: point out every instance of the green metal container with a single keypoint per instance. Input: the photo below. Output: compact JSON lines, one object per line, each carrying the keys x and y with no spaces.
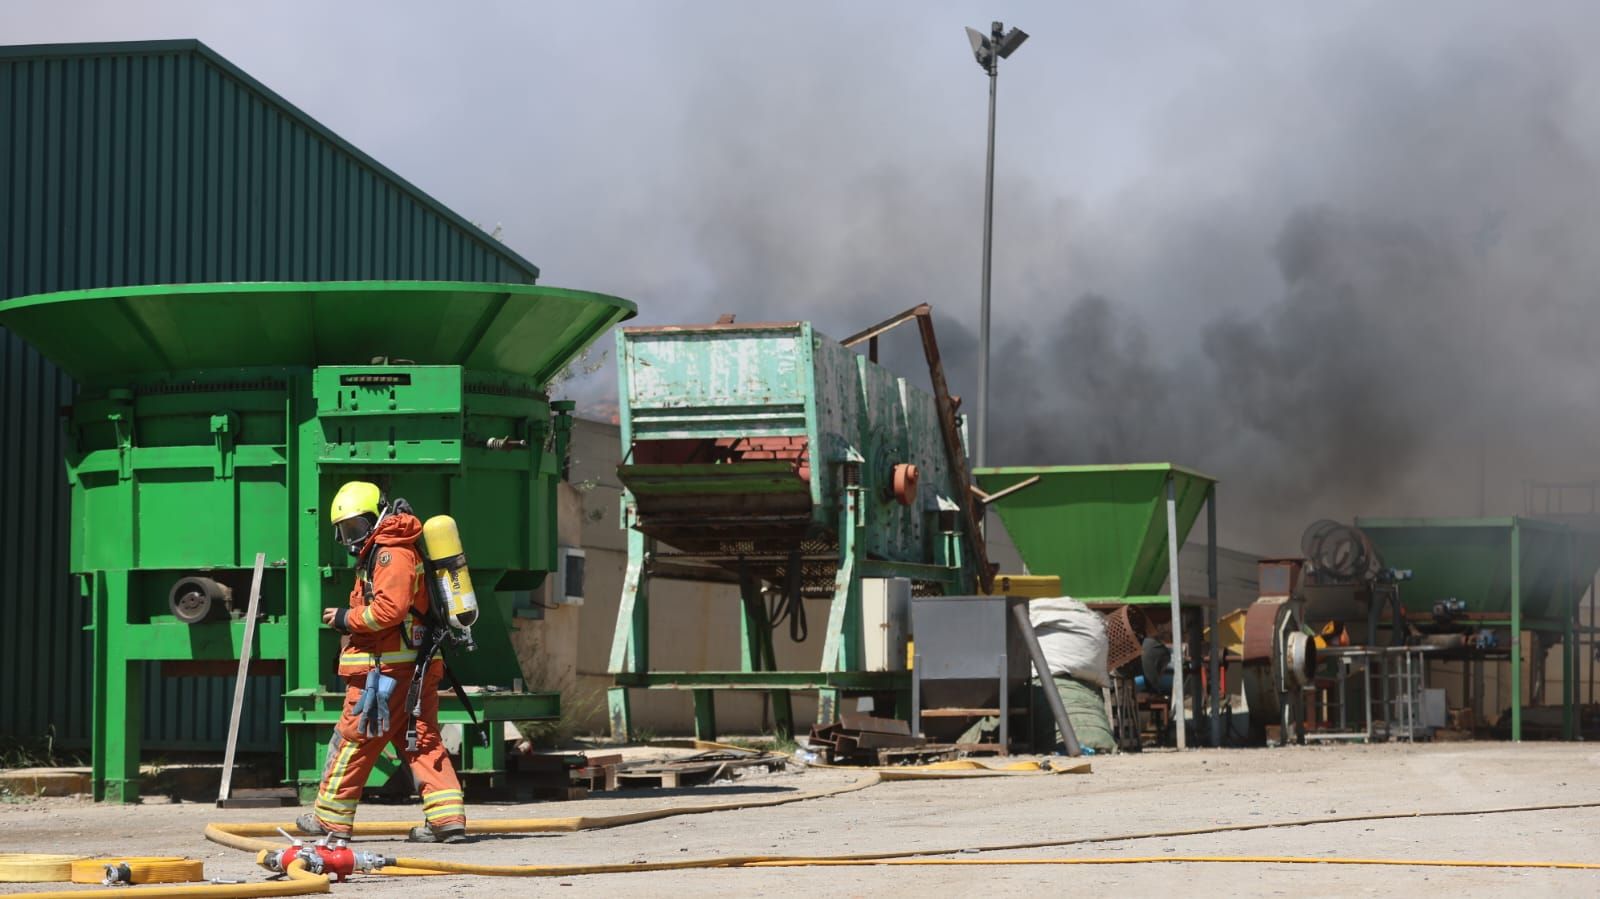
{"x":1101,"y":528}
{"x":217,"y":420}
{"x":1470,"y":559}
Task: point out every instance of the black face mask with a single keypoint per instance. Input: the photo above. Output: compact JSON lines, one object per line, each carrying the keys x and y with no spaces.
{"x":354,"y":532}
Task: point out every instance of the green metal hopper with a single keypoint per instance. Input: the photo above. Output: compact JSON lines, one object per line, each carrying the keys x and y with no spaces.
{"x":215,"y":421}
{"x":1521,"y":573}
{"x":1471,"y":559}
{"x":1101,"y":528}
{"x":104,"y":336}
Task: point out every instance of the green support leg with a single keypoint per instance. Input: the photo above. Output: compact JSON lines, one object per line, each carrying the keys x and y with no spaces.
{"x":311,"y":648}
{"x":305,"y":761}
{"x":756,"y":653}
{"x":705,"y":715}
{"x":828,"y":705}
{"x":630,"y":643}
{"x":118,"y":697}
{"x":477,"y":758}
{"x":308,"y":778}
{"x":842,"y":651}
{"x":619,"y":711}
{"x":1516,"y":632}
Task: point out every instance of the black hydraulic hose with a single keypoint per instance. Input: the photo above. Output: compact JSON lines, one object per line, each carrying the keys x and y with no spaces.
{"x":794,"y":588}
{"x":790,"y":605}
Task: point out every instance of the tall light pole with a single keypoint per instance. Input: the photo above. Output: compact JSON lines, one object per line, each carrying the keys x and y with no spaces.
{"x":989,"y":50}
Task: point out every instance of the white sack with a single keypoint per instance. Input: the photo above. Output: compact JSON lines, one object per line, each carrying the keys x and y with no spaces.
{"x":1073,"y":637}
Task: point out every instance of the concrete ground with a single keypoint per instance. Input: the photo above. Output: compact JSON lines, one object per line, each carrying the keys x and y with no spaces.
{"x":1126,"y":794}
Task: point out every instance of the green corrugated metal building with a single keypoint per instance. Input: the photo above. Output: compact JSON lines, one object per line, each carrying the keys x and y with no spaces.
{"x":155,"y":163}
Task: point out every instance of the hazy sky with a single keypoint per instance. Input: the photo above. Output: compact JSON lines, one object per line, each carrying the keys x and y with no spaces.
{"x":1336,"y":253}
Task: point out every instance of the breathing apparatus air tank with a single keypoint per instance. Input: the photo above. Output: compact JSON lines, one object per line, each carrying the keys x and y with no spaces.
{"x":447,"y":566}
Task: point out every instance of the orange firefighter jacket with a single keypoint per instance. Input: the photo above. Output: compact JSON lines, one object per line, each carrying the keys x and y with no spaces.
{"x":377,"y":628}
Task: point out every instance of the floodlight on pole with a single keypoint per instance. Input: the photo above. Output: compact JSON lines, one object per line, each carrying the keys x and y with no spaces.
{"x":988,"y":50}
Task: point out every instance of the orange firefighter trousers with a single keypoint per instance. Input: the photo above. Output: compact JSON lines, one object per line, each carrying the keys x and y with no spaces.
{"x":352,"y":755}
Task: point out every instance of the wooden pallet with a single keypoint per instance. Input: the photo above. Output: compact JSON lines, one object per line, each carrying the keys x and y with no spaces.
{"x":694,"y":771}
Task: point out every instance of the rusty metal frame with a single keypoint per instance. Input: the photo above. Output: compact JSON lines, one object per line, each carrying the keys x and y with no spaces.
{"x":922,"y":314}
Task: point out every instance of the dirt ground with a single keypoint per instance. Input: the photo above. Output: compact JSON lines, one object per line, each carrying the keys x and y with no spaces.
{"x":1125,"y":794}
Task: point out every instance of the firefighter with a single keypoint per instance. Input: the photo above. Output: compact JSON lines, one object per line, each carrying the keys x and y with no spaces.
{"x":384,"y":621}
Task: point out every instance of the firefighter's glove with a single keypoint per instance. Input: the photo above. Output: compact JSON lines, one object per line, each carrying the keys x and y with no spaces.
{"x":372,"y":709}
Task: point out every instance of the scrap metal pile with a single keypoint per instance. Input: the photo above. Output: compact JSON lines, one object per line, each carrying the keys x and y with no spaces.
{"x":865,"y":740}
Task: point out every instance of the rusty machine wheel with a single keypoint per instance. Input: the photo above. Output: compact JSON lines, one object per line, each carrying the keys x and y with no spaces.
{"x":1280,"y":660}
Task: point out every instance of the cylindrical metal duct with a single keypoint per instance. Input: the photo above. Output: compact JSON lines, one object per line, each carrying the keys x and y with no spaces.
{"x":195,"y":599}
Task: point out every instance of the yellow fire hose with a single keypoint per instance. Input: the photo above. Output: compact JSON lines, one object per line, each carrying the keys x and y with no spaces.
{"x":249,"y":837}
{"x":137,"y":869}
{"x":33,"y":867}
{"x":300,"y":882}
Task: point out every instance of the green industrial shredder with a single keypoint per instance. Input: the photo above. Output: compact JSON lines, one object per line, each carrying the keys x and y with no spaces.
{"x":215,"y":421}
{"x":775,"y":458}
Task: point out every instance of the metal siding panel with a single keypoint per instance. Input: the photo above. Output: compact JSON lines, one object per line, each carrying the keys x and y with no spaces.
{"x":45,"y":633}
{"x":159,"y":165}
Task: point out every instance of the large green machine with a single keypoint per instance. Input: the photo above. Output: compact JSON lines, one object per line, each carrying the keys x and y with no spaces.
{"x":215,"y":422}
{"x":775,"y":458}
{"x":1524,"y":574}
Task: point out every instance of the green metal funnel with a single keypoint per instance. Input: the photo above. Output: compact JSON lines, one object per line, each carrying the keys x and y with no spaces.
{"x":1101,"y":528}
{"x":102,"y":335}
{"x":1470,"y":559}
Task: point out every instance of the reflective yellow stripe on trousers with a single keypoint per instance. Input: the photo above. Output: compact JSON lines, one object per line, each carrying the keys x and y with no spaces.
{"x":398,"y":657}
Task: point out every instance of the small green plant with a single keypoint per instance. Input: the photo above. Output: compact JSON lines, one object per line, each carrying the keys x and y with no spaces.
{"x":39,"y":753}
{"x":769,"y":742}
{"x":576,"y":712}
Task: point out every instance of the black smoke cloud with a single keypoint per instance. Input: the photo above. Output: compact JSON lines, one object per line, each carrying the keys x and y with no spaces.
{"x":1361,"y":279}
